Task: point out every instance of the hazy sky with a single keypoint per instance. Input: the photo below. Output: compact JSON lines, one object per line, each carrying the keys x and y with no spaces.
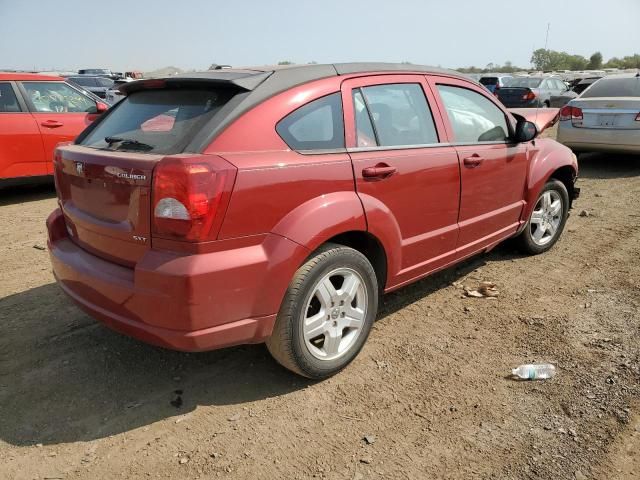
{"x":148,"y":34}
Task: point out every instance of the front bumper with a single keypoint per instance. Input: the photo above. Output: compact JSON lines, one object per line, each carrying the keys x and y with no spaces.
{"x":184,"y":302}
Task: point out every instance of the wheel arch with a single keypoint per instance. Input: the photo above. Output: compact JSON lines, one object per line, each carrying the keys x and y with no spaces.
{"x":567,"y":176}
{"x":549,"y":159}
{"x":368,"y":245}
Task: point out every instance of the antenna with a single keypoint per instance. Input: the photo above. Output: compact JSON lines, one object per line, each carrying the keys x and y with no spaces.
{"x":546,"y":40}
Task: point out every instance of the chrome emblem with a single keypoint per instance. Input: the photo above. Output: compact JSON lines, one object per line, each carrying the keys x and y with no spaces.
{"x":80,"y":168}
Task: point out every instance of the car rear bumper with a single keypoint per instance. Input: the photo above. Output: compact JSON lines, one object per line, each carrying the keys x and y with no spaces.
{"x":184,"y":302}
{"x":599,"y":139}
{"x":514,"y":103}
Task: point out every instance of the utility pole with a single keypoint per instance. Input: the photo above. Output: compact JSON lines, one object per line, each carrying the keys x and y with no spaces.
{"x":546,"y":40}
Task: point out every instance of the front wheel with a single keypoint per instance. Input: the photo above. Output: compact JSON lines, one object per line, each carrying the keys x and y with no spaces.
{"x":327,"y":313}
{"x":547,"y":219}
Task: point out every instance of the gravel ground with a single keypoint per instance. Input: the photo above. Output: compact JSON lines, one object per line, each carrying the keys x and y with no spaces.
{"x":430,"y":392}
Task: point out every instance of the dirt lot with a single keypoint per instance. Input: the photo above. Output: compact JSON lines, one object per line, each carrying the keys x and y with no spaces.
{"x":430,"y":389}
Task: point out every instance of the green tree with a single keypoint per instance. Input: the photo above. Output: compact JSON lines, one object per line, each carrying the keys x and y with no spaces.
{"x":285,"y":62}
{"x":548,"y":60}
{"x":613,"y":62}
{"x":595,"y":61}
{"x":541,"y":59}
{"x":632,"y":61}
{"x":573,"y":62}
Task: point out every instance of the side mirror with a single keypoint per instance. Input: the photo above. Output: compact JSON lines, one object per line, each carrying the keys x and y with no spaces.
{"x":101,"y":107}
{"x":525,"y":131}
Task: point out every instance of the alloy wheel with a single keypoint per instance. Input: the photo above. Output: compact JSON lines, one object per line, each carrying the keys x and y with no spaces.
{"x":546,"y":218}
{"x":335,"y":313}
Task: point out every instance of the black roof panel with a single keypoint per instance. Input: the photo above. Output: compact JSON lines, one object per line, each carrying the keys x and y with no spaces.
{"x":257,"y":84}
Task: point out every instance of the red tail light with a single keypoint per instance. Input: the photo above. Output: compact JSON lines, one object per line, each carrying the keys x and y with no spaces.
{"x":189,"y":197}
{"x":570,"y":113}
{"x":576,"y":113}
{"x":529,"y":95}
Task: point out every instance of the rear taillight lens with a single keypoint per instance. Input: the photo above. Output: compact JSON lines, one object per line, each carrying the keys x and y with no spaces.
{"x":570,"y":113}
{"x":576,"y":113}
{"x":188,"y":197}
{"x":529,"y":96}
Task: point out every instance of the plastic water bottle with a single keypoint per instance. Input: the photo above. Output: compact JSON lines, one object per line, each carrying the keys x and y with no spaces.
{"x":537,"y":371}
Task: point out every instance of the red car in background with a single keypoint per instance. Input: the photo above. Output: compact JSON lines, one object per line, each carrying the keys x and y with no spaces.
{"x":276,"y":205}
{"x":36,"y":113}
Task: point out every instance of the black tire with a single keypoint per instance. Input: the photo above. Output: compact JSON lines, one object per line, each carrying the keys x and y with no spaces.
{"x":526,"y":241}
{"x":287,"y":344}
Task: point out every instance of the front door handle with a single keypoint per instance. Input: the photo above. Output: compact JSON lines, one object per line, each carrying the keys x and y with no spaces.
{"x":473,"y":161}
{"x":52,"y":124}
{"x":380,"y":171}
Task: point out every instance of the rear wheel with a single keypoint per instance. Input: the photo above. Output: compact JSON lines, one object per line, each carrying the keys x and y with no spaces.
{"x":327,"y":313}
{"x":547,"y":219}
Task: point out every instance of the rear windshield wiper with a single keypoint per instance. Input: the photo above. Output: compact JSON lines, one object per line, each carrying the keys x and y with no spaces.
{"x":128,"y":142}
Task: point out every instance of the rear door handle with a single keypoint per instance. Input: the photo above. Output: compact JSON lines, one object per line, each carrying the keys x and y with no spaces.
{"x":473,"y":161}
{"x":380,"y":171}
{"x":52,"y":124}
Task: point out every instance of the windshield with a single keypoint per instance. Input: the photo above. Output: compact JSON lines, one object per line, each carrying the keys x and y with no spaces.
{"x":157,"y":121}
{"x":614,"y":87}
{"x":525,"y":82}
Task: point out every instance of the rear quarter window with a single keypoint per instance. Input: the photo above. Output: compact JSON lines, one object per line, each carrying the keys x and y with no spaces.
{"x":157,"y":121}
{"x":318,"y":125}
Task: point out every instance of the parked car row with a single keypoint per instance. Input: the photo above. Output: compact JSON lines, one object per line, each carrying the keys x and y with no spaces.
{"x":106,"y":73}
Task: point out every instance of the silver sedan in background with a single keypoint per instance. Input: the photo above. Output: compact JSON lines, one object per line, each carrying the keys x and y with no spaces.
{"x":605,"y":117}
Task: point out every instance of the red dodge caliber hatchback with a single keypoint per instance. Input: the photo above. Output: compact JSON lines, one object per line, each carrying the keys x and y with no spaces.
{"x":276,"y":205}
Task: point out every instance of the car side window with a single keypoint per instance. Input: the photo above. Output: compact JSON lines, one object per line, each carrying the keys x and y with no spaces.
{"x":318,"y":125}
{"x":400,"y":114}
{"x":8,"y":100}
{"x":57,"y":97}
{"x":365,"y":135}
{"x":474,"y":118}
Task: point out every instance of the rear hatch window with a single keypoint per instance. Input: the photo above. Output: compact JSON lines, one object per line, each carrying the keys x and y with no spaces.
{"x":159,"y":121}
{"x":614,"y":87}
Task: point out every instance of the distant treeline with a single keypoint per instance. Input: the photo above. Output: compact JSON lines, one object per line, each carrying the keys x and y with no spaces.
{"x":548,"y":60}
